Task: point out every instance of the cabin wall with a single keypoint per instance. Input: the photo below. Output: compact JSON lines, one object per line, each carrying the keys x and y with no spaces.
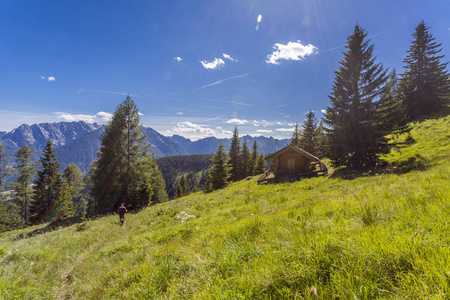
{"x":301,"y":163}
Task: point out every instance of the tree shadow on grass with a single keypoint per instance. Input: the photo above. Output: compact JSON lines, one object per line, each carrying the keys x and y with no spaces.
{"x":414,"y":163}
{"x":52,"y":226}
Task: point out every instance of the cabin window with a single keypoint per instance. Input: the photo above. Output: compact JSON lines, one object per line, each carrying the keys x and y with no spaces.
{"x":291,"y":163}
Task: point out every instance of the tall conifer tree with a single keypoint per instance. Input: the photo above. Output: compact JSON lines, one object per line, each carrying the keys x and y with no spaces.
{"x":245,"y":160}
{"x":295,"y":140}
{"x":4,"y":171}
{"x":254,"y":158}
{"x":219,"y":171}
{"x":47,"y":187}
{"x":25,"y":169}
{"x":235,"y":153}
{"x":125,"y":171}
{"x":355,"y":136}
{"x":309,"y":133}
{"x":425,"y":84}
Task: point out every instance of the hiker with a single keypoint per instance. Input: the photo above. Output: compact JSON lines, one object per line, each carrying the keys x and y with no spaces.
{"x":122,"y":210}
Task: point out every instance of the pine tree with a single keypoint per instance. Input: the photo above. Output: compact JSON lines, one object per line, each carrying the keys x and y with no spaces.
{"x":47,"y":187}
{"x":355,"y":138}
{"x":4,"y":171}
{"x":22,"y":186}
{"x":178,"y":192}
{"x":253,"y":158}
{"x":10,"y":218}
{"x":295,"y":140}
{"x":321,"y":141}
{"x":309,"y":132}
{"x":260,"y":164}
{"x":125,"y":171}
{"x":72,"y":195}
{"x":235,"y":153}
{"x":425,"y":84}
{"x":219,"y":171}
{"x":392,"y":112}
{"x":9,"y":211}
{"x":182,"y":188}
{"x":245,"y":161}
{"x":184,"y":185}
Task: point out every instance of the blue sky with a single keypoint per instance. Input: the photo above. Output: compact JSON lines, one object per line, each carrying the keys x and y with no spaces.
{"x":194,"y":68}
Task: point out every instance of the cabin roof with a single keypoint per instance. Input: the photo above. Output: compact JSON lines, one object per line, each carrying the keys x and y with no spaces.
{"x":296,"y":149}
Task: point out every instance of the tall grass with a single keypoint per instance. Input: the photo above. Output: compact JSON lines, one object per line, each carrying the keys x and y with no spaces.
{"x":382,"y":236}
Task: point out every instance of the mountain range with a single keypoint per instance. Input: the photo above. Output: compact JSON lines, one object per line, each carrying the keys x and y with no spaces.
{"x":78,"y":142}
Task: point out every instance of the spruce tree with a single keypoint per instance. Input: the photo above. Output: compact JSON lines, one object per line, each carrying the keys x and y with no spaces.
{"x":355,"y":138}
{"x":260,"y":164}
{"x":393,"y":116}
{"x":47,"y":187}
{"x":25,"y":169}
{"x":219,"y":171}
{"x":295,"y":140}
{"x":245,"y":160}
{"x":73,"y":187}
{"x":182,"y":188}
{"x":425,"y":84}
{"x":309,"y":131}
{"x":235,"y":153}
{"x":10,"y":217}
{"x":125,"y":171}
{"x":184,"y":185}
{"x":253,"y":158}
{"x":321,"y":141}
{"x":4,"y":171}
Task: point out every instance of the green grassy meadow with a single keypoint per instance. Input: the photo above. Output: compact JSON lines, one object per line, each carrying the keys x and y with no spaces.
{"x":379,"y":235}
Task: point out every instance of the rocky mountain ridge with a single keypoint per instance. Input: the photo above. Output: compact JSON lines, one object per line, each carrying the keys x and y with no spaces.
{"x":78,"y":142}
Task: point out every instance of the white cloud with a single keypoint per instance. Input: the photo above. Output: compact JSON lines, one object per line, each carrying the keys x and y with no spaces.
{"x":195,"y":131}
{"x":216,"y":64}
{"x":323,"y":111}
{"x":179,"y":113}
{"x":51,"y":78}
{"x":229,"y":57}
{"x":290,"y":51}
{"x":100,"y":117}
{"x":259,"y":18}
{"x":285,"y":129}
{"x":178,"y":58}
{"x":236,"y":121}
{"x":264,"y":131}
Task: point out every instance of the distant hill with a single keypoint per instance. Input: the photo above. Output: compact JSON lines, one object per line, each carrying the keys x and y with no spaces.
{"x":209,"y":145}
{"x":193,"y":167}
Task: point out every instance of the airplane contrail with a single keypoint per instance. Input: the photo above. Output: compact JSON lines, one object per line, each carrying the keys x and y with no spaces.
{"x":225,"y":79}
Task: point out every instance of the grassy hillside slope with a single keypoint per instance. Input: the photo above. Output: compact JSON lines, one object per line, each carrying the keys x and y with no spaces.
{"x":376,"y":236}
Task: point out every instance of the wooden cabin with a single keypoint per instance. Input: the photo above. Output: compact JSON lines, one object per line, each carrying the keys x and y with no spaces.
{"x":291,"y":163}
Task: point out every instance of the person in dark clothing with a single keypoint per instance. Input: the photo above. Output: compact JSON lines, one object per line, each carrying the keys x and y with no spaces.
{"x":122,"y":210}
